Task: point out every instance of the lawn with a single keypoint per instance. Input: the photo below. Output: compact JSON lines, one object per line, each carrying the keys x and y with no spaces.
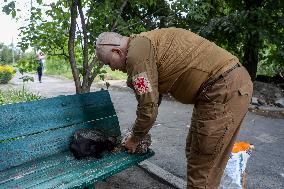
{"x":61,"y":68}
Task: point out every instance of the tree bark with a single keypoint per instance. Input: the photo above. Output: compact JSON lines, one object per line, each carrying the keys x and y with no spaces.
{"x":251,"y":54}
{"x":71,"y":41}
{"x":86,"y":72}
{"x":251,"y":47}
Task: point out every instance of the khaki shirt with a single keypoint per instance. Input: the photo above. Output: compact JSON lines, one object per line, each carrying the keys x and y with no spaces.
{"x":170,"y":60}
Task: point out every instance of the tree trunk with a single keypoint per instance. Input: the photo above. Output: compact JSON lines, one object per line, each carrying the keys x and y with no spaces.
{"x":251,"y":54}
{"x":252,"y":44}
{"x":87,"y":73}
{"x":71,"y":41}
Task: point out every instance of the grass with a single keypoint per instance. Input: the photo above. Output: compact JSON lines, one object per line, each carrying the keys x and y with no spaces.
{"x":59,"y":67}
{"x":114,"y":75}
{"x":14,"y":96}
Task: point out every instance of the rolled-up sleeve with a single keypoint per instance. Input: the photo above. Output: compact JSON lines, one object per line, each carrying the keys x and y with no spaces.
{"x":143,"y":79}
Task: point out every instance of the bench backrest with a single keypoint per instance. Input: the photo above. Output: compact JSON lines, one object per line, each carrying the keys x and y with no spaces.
{"x":35,"y":129}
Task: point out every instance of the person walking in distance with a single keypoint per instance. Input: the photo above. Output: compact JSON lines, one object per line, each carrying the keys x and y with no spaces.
{"x":40,"y":68}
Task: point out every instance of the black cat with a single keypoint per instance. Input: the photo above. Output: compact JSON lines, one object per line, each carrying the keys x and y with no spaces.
{"x":91,"y":142}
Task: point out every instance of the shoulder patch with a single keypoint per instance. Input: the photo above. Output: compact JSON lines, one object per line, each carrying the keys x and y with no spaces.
{"x":141,"y":83}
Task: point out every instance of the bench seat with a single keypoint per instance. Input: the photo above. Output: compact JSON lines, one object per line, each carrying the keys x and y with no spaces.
{"x":63,"y":171}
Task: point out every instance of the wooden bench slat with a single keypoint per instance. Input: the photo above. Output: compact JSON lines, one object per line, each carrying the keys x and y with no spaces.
{"x":46,"y":143}
{"x":53,"y":170}
{"x":31,"y":168}
{"x":111,"y":167}
{"x":32,"y":117}
{"x":63,"y":170}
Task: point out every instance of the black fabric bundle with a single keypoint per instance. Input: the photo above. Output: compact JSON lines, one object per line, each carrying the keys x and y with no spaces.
{"x":91,"y":142}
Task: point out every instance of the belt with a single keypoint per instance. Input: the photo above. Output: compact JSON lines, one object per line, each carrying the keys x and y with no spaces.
{"x":211,"y":82}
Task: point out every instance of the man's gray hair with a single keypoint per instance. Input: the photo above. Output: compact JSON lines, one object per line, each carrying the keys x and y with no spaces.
{"x":108,"y":38}
{"x":106,"y":41}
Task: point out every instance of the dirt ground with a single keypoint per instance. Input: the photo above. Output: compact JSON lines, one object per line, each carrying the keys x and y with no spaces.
{"x":267,"y":92}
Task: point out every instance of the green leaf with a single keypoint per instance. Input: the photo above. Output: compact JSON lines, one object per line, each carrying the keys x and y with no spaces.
{"x":39,"y":1}
{"x":10,"y":7}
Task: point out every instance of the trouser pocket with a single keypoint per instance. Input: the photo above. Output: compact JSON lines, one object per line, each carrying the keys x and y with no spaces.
{"x":207,"y":136}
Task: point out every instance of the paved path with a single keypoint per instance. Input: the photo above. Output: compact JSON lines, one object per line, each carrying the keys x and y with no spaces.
{"x":265,"y":168}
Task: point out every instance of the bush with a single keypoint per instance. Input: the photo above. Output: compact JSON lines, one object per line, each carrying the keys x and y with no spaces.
{"x":58,"y":66}
{"x":14,"y":96}
{"x":27,"y":64}
{"x":6,"y":74}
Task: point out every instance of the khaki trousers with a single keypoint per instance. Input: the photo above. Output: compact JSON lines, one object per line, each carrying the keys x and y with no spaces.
{"x":217,"y":116}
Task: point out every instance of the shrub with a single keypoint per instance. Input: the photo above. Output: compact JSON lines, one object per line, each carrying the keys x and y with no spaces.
{"x":26,"y":65}
{"x":6,"y":73}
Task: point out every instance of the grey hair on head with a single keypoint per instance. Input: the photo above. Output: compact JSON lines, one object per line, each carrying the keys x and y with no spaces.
{"x":108,"y":38}
{"x":105,"y":42}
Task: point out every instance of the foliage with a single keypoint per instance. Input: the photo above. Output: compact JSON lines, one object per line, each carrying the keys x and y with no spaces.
{"x":14,"y":96}
{"x":8,"y":69}
{"x":27,"y":78}
{"x":58,"y":66}
{"x":6,"y":73}
{"x":139,"y":16}
{"x":6,"y":54}
{"x":27,"y":63}
{"x":252,"y":30}
{"x":53,"y":28}
{"x":114,"y":75}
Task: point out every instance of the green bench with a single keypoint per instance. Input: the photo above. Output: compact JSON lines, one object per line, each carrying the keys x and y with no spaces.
{"x":35,"y":137}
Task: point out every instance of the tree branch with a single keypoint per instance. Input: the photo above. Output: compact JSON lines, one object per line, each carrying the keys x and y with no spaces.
{"x":117,"y":18}
{"x":89,"y":11}
{"x":94,"y":74}
{"x":82,"y":46}
{"x":59,"y":54}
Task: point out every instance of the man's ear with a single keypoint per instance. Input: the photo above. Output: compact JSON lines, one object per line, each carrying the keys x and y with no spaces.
{"x":117,"y":50}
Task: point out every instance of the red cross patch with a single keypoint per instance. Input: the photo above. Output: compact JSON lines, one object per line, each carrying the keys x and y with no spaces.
{"x":141,"y":83}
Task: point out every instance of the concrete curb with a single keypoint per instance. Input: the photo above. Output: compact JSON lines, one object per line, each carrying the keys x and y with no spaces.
{"x":163,"y":175}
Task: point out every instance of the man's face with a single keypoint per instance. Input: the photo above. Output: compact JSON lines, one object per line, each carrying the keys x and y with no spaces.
{"x":115,"y":59}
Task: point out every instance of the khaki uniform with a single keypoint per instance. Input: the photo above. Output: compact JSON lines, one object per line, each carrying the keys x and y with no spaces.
{"x":194,"y":71}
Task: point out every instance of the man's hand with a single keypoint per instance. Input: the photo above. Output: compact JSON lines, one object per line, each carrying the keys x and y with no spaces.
{"x":130,"y":145}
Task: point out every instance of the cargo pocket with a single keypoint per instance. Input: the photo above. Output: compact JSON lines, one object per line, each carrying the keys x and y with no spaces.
{"x":208,"y":135}
{"x":245,"y":90}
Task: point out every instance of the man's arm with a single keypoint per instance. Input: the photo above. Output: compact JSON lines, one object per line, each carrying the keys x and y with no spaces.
{"x":143,"y":78}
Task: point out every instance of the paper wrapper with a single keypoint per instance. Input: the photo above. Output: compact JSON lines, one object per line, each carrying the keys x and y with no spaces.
{"x":234,"y":173}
